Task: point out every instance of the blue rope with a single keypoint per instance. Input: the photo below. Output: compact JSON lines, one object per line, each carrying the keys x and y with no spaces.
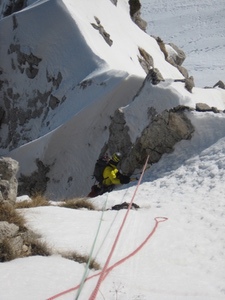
{"x":93,"y":245}
{"x":91,"y":253}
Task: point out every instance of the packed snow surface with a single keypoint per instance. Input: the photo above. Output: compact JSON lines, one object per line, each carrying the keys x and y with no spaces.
{"x":183,"y":257}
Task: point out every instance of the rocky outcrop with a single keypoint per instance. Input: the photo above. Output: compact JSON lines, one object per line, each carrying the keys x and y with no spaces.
{"x":188,"y":83}
{"x":15,"y":242}
{"x":8,"y":181}
{"x":15,"y":239}
{"x":220,"y":84}
{"x":35,"y":183}
{"x":146,"y":60}
{"x":154,"y":76}
{"x":14,"y":6}
{"x":162,"y":46}
{"x":114,"y":2}
{"x":2,"y":113}
{"x":203,"y":107}
{"x":160,"y":137}
{"x":173,"y":55}
{"x":135,"y":13}
{"x":119,"y":134}
{"x":26,"y":63}
{"x":102,"y":31}
{"x":178,"y":56}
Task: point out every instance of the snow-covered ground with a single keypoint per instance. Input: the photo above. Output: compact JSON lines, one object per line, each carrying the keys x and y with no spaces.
{"x":183,"y":259}
{"x":180,"y":223}
{"x":197,"y":27}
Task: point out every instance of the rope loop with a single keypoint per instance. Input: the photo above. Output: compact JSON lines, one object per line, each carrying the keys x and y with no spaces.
{"x":106,"y":270}
{"x":109,"y":269}
{"x":161,"y":219}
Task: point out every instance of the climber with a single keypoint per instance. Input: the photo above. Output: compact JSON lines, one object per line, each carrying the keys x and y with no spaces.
{"x":110,"y":176}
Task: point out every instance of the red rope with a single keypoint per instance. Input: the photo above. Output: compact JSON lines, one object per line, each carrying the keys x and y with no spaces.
{"x":106,"y":270}
{"x":163,"y":219}
{"x":103,"y":275}
{"x":157,"y":221}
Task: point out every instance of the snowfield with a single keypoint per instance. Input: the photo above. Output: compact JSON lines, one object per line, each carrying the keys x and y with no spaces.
{"x":197,"y":28}
{"x":173,"y":246}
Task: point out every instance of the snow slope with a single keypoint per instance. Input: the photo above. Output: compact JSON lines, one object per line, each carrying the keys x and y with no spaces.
{"x":108,"y":76}
{"x":184,"y":257}
{"x":197,"y":27}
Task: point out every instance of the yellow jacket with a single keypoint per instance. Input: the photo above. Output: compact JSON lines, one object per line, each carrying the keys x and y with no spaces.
{"x":110,"y":175}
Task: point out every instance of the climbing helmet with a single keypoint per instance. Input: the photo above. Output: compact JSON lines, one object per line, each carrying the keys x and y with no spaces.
{"x":116,"y":157}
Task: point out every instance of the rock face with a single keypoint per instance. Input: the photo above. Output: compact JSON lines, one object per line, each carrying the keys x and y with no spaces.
{"x":35,"y":183}
{"x":173,"y":55}
{"x":119,"y":136}
{"x":14,"y":6}
{"x":163,"y":132}
{"x":159,"y":137}
{"x":8,"y":182}
{"x":135,"y":13}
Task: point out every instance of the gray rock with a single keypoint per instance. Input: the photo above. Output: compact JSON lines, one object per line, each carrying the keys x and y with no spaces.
{"x":220,"y":84}
{"x":8,"y":230}
{"x":180,"y":57}
{"x":203,"y":107}
{"x":119,"y":134}
{"x":36,"y":182}
{"x":188,"y":83}
{"x":146,"y":60}
{"x":163,"y":132}
{"x":154,"y":76}
{"x":137,"y":19}
{"x":16,"y":244}
{"x":102,"y":31}
{"x":8,"y":181}
{"x":162,"y":46}
{"x":135,"y":13}
{"x":159,"y":137}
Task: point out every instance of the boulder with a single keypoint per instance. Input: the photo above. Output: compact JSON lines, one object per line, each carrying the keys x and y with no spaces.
{"x":7,"y":230}
{"x":8,"y":181}
{"x":14,"y":242}
{"x":220,"y":84}
{"x":203,"y":107}
{"x":177,"y":55}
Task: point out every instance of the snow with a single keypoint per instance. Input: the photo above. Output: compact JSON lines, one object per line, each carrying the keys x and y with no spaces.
{"x":184,"y":257}
{"x":197,"y":27}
